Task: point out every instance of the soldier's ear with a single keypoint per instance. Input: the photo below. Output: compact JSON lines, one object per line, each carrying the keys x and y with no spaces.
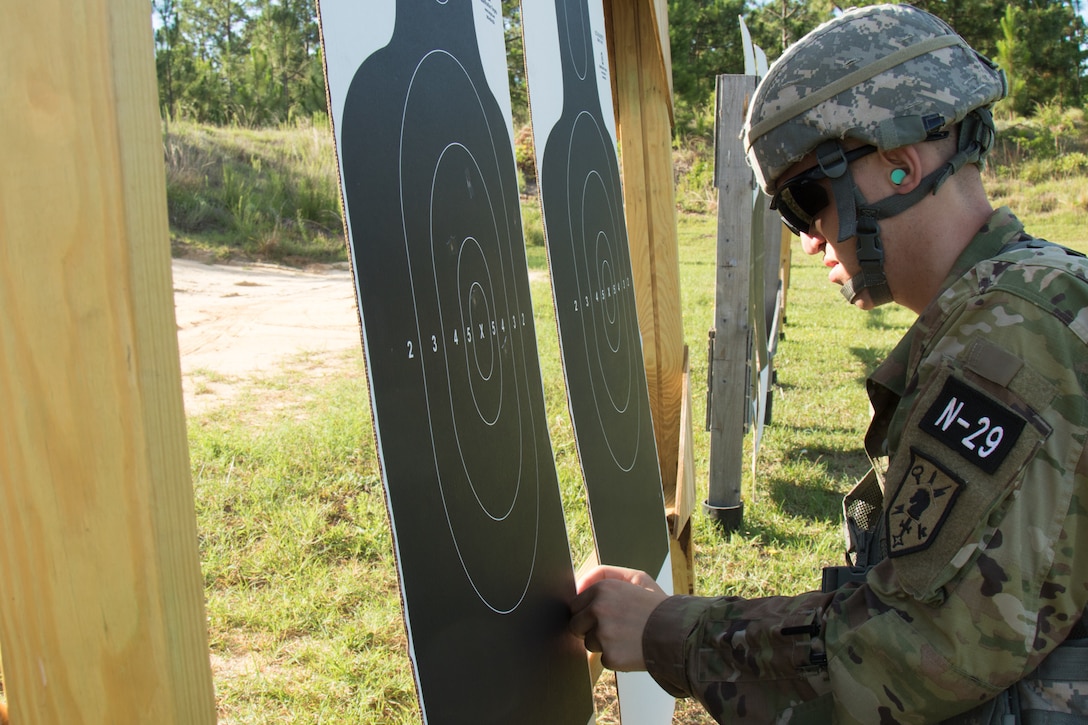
{"x":901,"y":169}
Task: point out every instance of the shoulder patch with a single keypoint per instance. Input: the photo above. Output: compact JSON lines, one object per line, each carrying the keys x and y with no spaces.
{"x":974,"y":425}
{"x":920,"y":505}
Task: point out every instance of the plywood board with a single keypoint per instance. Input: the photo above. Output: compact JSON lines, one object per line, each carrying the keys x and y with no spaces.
{"x":420,"y":104}
{"x":645,"y":135}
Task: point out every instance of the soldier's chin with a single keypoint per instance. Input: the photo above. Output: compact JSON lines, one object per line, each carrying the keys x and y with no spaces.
{"x":864,"y":301}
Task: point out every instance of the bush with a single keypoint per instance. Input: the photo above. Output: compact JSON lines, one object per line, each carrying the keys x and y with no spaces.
{"x":525,"y":156}
{"x":693,"y":176}
{"x":1025,"y":144}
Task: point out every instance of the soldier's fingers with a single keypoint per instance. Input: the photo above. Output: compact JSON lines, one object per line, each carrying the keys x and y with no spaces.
{"x":582,"y":620}
{"x":617,"y":573}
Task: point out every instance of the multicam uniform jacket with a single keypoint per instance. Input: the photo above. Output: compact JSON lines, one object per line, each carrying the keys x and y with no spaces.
{"x":983,"y":529}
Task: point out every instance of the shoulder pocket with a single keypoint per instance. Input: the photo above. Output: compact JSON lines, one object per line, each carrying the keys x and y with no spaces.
{"x":963,"y":449}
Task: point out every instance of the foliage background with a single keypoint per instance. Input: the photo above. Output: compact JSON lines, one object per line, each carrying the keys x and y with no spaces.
{"x":258,"y":62}
{"x":256,"y":65}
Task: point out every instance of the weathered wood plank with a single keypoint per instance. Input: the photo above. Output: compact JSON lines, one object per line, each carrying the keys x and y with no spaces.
{"x":731,"y":321}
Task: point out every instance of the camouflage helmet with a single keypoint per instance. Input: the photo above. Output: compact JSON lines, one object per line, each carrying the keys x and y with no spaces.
{"x":886,"y":75}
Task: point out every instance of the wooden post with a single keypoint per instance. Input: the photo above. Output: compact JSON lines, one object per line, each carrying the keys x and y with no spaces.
{"x":102,"y":616}
{"x":679,"y":515}
{"x":729,"y":355}
{"x":643,"y":99}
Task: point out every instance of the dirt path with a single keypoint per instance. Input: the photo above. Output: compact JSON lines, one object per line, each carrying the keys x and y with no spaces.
{"x":239,"y":321}
{"x":236,"y":322}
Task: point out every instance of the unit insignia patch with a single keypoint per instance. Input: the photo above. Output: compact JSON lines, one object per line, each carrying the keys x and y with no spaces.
{"x":920,"y":505}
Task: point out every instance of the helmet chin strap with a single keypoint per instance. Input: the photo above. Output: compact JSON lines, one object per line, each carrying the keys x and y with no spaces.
{"x":870,"y":253}
{"x":858,"y":218}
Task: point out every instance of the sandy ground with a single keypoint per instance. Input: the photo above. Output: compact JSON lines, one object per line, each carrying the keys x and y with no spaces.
{"x":240,"y":321}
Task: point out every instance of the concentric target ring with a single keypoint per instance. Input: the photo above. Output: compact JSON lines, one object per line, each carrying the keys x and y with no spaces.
{"x":608,"y":322}
{"x":611,"y":333}
{"x":577,"y":38}
{"x":477,"y":318}
{"x":484,"y":449}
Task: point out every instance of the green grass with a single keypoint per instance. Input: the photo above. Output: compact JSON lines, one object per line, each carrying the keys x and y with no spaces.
{"x":304,"y":610}
{"x":301,"y":590}
{"x":1054,"y":209}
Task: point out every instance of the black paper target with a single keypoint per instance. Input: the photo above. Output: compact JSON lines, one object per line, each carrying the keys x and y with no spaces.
{"x":594,"y":295}
{"x":431,"y":196}
{"x":605,"y":298}
{"x":574,"y":32}
{"x":475,"y":390}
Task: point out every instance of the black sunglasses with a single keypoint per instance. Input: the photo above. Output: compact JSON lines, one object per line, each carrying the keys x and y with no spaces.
{"x":802,"y":197}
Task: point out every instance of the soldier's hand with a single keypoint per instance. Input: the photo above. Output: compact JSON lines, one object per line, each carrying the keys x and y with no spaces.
{"x":610,"y":613}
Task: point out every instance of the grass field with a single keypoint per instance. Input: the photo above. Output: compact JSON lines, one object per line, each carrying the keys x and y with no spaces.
{"x":302,"y":597}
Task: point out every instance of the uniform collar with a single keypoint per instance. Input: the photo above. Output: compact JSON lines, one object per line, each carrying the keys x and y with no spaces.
{"x":1000,"y":230}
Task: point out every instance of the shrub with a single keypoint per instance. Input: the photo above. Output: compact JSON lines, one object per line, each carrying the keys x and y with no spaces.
{"x":525,"y":156}
{"x":1052,"y":133}
{"x":693,"y":172}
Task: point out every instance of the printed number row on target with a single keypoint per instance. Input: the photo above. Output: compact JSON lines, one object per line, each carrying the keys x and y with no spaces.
{"x":496,"y":328}
{"x":602,"y":295}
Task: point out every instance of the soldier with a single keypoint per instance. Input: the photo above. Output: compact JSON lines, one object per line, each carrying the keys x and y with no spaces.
{"x":968,"y":541}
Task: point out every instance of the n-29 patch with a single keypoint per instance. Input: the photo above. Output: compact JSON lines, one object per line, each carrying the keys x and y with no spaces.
{"x":974,"y":425}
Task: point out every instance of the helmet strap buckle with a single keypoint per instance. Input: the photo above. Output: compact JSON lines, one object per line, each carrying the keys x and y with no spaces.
{"x":870,"y":253}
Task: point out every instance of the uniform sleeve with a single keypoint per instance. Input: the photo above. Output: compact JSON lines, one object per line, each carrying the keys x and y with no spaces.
{"x":985,"y":509}
{"x":745,"y":660}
